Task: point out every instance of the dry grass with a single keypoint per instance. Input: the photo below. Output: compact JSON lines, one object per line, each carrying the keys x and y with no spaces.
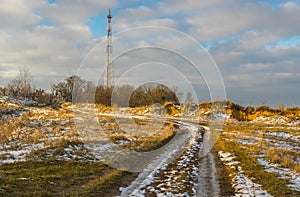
{"x":102,"y":182}
{"x":251,"y":168}
{"x":271,"y":154}
{"x":61,"y":178}
{"x":143,"y":139}
{"x":283,"y":157}
{"x":258,"y":142}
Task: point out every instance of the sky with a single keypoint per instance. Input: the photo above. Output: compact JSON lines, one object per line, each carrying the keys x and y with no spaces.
{"x":254,"y":45}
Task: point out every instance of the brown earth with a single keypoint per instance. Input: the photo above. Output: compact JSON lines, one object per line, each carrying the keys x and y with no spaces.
{"x":222,"y":176}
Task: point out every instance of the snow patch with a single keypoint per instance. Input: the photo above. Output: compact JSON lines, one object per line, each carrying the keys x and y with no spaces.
{"x":242,"y":184}
{"x":272,"y":120}
{"x":284,"y":173}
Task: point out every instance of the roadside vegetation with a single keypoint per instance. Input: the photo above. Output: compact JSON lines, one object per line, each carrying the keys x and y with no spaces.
{"x":264,"y":155}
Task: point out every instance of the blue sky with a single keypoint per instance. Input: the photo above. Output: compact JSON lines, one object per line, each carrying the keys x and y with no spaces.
{"x":98,"y":22}
{"x":255,"y":44}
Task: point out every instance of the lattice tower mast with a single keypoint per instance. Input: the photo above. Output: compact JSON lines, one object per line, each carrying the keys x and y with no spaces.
{"x":108,"y":79}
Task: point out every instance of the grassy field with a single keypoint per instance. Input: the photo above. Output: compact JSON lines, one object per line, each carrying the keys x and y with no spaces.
{"x":268,"y":155}
{"x":45,"y":152}
{"x":61,"y":178}
{"x":59,"y":152}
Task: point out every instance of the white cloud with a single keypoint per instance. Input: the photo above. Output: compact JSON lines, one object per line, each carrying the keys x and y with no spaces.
{"x":290,"y":5}
{"x":255,"y":40}
{"x":58,"y":48}
{"x":69,"y":12}
{"x":18,"y":14}
{"x":256,"y":66}
{"x":170,"y":7}
{"x":54,"y":52}
{"x":236,"y":18}
{"x":284,"y":75}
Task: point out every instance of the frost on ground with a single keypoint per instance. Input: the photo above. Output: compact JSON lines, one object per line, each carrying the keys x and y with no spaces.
{"x":242,"y":184}
{"x":89,"y":133}
{"x":284,"y":173}
{"x":178,"y":178}
{"x":276,"y":120}
{"x":98,"y":133}
{"x":273,"y":149}
{"x":284,"y":136}
{"x":40,"y":133}
{"x":11,"y":114}
{"x":19,"y":155}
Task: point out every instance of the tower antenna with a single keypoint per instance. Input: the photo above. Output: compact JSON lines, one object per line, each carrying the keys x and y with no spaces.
{"x":108,"y":78}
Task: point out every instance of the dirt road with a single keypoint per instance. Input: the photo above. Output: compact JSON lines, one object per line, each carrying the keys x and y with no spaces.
{"x":191,"y":173}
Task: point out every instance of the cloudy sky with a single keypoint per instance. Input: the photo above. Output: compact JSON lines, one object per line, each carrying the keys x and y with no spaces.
{"x":255,"y":44}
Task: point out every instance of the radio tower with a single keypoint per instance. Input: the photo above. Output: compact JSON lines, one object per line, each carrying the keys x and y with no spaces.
{"x":108,"y":78}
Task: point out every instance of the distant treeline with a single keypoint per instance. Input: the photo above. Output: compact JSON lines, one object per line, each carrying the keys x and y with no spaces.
{"x":76,"y":90}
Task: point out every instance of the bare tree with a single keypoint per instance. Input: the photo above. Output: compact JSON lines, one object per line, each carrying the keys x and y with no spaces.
{"x":70,"y":90}
{"x":280,"y":106}
{"x":189,"y":97}
{"x":3,"y":91}
{"x":89,"y":90}
{"x":21,"y":86}
{"x":151,"y":93}
{"x":24,"y":77}
{"x":121,"y":95}
{"x":13,"y":88}
{"x":178,"y":94}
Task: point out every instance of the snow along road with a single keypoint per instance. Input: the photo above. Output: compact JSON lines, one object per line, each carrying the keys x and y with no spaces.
{"x":183,"y":169}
